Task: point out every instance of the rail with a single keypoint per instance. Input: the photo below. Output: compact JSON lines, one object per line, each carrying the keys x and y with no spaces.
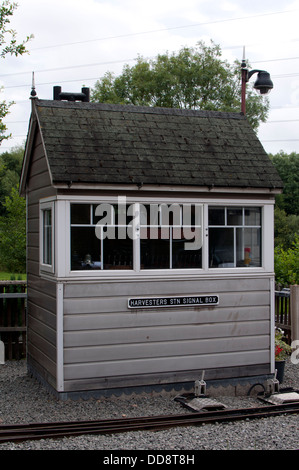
{"x":56,"y":430}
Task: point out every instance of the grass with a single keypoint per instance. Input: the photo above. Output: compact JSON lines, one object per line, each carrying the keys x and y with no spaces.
{"x":11,"y":276}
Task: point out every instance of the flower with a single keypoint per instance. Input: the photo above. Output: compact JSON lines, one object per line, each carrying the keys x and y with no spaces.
{"x":282,"y":349}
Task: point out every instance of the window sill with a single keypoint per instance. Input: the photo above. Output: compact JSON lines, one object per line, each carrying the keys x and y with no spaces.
{"x":130,"y":275}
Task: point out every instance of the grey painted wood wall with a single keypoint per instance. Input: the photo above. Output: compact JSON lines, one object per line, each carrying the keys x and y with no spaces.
{"x":41,"y":304}
{"x":108,"y":345}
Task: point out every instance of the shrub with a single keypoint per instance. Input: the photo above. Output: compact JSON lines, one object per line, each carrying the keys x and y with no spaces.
{"x":286,"y":263}
{"x":13,"y":234}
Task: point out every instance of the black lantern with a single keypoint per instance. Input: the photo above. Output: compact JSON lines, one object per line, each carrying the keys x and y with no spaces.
{"x":263,"y":83}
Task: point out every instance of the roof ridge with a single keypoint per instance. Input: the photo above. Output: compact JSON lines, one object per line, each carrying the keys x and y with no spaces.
{"x":140,"y":109}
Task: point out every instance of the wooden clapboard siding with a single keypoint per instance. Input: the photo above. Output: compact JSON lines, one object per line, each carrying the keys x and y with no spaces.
{"x":80,"y":324}
{"x":109,"y":339}
{"x":208,"y":284}
{"x":104,"y":340}
{"x":158,"y":365}
{"x":167,"y":348}
{"x":41,"y":343}
{"x":119,"y":382}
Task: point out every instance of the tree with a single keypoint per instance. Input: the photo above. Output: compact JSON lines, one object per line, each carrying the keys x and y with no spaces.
{"x":12,"y":213}
{"x":13,"y":233}
{"x":10,"y":172}
{"x":286,"y":228}
{"x":286,"y":264}
{"x":193,"y":78}
{"x":8,"y":45}
{"x":288,"y":169}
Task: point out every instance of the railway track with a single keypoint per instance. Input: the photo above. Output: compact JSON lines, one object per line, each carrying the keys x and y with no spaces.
{"x":55,"y":430}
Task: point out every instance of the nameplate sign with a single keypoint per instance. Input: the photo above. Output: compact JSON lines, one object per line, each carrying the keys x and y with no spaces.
{"x":181,"y":301}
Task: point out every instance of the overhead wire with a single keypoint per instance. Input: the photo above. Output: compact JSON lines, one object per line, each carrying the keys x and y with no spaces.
{"x":121,"y":36}
{"x":132,"y":59}
{"x":150,"y":32}
{"x":97,"y":64}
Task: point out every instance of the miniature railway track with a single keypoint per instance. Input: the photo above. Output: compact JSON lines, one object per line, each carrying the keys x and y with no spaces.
{"x":55,"y":430}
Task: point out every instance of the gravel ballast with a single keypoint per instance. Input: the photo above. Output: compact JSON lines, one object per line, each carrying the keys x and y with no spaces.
{"x":24,"y":400}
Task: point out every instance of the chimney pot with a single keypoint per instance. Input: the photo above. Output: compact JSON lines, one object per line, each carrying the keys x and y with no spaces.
{"x":58,"y":95}
{"x":56,"y":92}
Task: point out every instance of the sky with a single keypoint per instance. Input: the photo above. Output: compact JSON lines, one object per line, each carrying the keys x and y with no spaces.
{"x":76,"y":42}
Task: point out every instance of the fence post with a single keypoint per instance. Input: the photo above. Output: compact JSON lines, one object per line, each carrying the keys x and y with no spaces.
{"x":294,"y":304}
{"x":2,"y":352}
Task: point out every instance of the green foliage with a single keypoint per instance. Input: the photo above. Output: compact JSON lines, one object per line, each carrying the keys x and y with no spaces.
{"x":286,"y":264}
{"x":4,"y":276}
{"x":13,"y":233}
{"x":4,"y":110}
{"x":287,"y":166}
{"x":286,"y":228}
{"x":193,"y":78}
{"x":8,"y":45}
{"x":10,"y":171}
{"x":282,"y":349}
{"x":6,"y":10}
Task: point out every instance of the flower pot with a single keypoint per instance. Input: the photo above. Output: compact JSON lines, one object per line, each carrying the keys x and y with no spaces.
{"x":279,"y":366}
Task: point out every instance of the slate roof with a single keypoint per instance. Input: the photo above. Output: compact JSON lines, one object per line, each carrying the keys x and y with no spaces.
{"x":102,"y":143}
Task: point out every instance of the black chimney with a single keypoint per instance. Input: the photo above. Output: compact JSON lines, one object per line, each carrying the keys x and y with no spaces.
{"x":59,"y":95}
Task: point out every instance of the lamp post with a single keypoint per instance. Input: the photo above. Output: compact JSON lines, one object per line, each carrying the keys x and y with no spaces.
{"x":263,"y":83}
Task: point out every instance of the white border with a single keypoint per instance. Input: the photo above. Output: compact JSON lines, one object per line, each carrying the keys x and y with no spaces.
{"x":45,"y":205}
{"x":59,"y":335}
{"x":62,"y":240}
{"x":194,"y":305}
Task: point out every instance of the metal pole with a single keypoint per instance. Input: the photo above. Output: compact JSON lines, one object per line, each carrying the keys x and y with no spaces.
{"x":243,"y":91}
{"x":2,"y":352}
{"x":294,"y":305}
{"x":244,"y":72}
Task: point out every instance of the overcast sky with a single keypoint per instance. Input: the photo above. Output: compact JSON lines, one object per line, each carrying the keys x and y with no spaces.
{"x":75,"y":42}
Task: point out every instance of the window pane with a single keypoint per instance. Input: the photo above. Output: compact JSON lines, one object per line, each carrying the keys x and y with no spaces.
{"x":116,"y":214}
{"x":184,"y":259}
{"x":170,"y":214}
{"x":80,"y":214}
{"x":221,"y":247}
{"x":253,"y":216}
{"x":85,"y":249}
{"x":248,"y":246}
{"x":118,"y":253}
{"x":234,"y":216}
{"x":216,"y":216}
{"x":47,"y":236}
{"x":149,"y":214}
{"x":192,"y":214}
{"x":155,"y":253}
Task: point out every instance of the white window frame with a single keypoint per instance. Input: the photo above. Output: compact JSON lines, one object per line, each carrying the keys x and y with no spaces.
{"x":43,"y":207}
{"x":267,"y":235}
{"x":235,"y":227}
{"x":63,"y":228}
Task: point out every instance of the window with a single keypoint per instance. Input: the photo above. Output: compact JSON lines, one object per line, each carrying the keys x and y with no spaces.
{"x":47,"y":236}
{"x":171,"y":236}
{"x":106,"y":236}
{"x":234,"y":237}
{"x":100,"y":237}
{"x":159,"y":236}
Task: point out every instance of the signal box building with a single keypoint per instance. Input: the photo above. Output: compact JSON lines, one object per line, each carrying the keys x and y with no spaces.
{"x":150,"y":248}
